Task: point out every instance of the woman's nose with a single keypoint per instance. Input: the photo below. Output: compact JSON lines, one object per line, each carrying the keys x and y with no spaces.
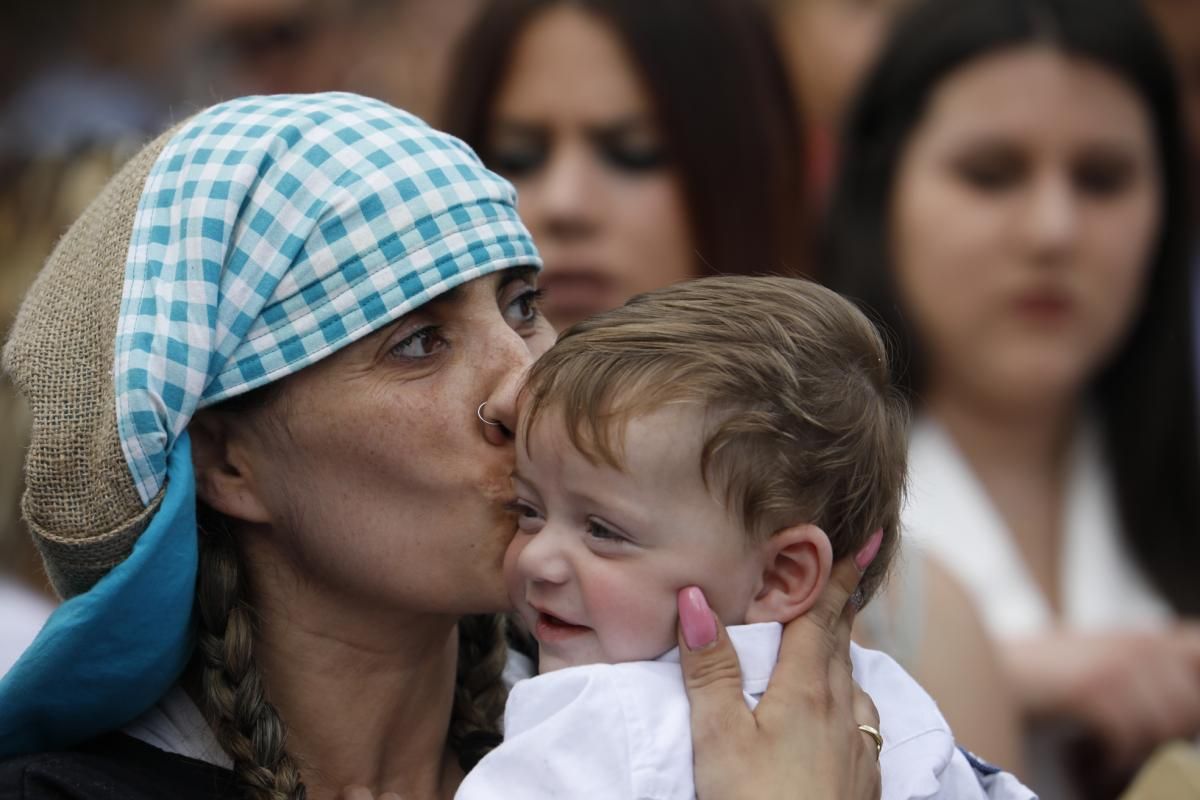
{"x":563,"y":206}
{"x":512,"y":357}
{"x":1052,"y":218}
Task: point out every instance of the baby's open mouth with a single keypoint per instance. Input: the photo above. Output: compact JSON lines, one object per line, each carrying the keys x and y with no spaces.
{"x":552,"y":628}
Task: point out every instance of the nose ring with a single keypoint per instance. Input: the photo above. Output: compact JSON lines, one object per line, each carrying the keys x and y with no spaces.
{"x":485,"y":420}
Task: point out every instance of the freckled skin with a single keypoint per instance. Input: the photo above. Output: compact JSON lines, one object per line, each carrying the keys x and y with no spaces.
{"x":386,"y":494}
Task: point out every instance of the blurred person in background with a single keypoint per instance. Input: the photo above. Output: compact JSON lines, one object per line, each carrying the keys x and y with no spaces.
{"x":1179,"y":22}
{"x":73,"y":73}
{"x":828,"y":46}
{"x":1014,"y":207}
{"x":396,"y":50}
{"x":652,"y":143}
{"x":649,"y":142}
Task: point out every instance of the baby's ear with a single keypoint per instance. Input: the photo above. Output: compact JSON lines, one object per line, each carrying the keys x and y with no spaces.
{"x":796,"y":566}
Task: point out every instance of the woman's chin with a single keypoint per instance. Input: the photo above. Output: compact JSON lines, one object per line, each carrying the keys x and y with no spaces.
{"x":489,"y":597}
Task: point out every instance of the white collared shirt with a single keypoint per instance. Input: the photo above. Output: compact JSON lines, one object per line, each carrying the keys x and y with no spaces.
{"x":623,"y":731}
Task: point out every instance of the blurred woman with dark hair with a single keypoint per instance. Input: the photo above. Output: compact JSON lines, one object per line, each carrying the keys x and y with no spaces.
{"x":649,"y":142}
{"x":1013,"y":206}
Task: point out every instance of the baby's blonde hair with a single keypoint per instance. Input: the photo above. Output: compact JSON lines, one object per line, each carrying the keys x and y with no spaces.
{"x":803,"y":423}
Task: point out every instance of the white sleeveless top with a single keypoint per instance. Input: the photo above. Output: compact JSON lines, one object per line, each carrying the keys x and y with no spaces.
{"x":949,"y":514}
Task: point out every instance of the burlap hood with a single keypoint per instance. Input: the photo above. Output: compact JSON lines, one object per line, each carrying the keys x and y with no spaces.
{"x":80,"y":502}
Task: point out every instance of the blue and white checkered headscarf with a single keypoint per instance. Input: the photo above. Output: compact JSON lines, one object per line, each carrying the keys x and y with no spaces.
{"x":273,"y":231}
{"x":270,"y":232}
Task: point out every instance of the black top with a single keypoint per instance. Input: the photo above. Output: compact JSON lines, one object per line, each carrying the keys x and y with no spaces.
{"x":113,"y":767}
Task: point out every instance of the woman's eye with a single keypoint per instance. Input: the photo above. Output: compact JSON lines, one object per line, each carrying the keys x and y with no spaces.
{"x":517,"y":159}
{"x":633,"y":158}
{"x":991,"y":174}
{"x":1103,"y":177}
{"x":524,"y":308}
{"x":421,"y":344}
{"x":600,"y":532}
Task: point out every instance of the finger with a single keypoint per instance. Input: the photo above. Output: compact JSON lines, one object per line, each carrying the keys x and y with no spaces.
{"x":865,"y":712}
{"x":356,"y":793}
{"x":711,"y":673}
{"x":1186,"y":636}
{"x":812,"y":641}
{"x":1178,"y":696}
{"x":389,"y":796}
{"x":843,"y":582}
{"x":1133,"y":723}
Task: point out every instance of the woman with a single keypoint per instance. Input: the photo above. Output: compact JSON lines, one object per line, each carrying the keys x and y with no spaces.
{"x":829,"y":45}
{"x":258,"y":367}
{"x":1013,"y":206}
{"x":649,"y":142}
{"x":537,"y":79}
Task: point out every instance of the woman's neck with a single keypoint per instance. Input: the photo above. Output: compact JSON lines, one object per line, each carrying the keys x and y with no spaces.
{"x":1019,"y":455}
{"x":366,"y":697}
{"x":1034,"y":436}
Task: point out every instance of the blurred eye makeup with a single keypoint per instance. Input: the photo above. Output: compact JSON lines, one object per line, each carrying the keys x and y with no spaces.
{"x":630,"y":147}
{"x":518,"y":150}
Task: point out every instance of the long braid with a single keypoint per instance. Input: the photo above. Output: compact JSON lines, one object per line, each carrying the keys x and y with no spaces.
{"x":246,"y":724}
{"x":479,"y":691}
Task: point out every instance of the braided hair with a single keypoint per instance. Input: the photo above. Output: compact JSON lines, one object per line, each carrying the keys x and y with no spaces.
{"x":247,"y":726}
{"x":479,"y":690}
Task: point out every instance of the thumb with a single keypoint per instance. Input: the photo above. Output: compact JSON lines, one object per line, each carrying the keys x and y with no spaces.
{"x":711,"y":672}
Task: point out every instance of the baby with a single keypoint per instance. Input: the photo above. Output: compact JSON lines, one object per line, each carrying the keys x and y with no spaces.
{"x":737,"y":434}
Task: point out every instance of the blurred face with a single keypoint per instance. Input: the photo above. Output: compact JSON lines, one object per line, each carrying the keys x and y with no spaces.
{"x":601,"y":553}
{"x":385,"y":488}
{"x":1026,"y":210}
{"x":574,"y":130}
{"x":829,"y":45}
{"x":396,"y":51}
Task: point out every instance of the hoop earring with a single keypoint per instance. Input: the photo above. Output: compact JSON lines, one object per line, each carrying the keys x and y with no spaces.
{"x":485,"y":420}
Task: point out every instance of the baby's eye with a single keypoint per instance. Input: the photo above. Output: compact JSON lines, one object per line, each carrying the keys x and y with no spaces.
{"x":529,"y":519}
{"x":601,"y":532}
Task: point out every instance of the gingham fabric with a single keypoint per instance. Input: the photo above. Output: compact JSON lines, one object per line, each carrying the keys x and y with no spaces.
{"x":273,"y":231}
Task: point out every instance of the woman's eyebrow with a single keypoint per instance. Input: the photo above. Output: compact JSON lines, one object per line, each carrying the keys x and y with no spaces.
{"x":518,"y":127}
{"x":517,"y":274}
{"x":614,"y":129}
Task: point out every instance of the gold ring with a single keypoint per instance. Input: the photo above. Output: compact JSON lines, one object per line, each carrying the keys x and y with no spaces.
{"x":876,"y":737}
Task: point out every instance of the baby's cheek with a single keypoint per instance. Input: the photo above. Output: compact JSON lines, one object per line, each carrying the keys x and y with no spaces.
{"x":634,"y":618}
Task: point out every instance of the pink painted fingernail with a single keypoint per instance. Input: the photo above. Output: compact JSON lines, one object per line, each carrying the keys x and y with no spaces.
{"x":869,"y":551}
{"x":696,"y":618}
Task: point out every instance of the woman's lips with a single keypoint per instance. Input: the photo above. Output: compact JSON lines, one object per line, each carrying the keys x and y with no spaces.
{"x":577,"y":293}
{"x":1045,"y":305}
{"x":552,"y":629}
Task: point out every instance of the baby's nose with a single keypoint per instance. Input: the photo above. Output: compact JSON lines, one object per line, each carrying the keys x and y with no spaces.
{"x":544,"y":558}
